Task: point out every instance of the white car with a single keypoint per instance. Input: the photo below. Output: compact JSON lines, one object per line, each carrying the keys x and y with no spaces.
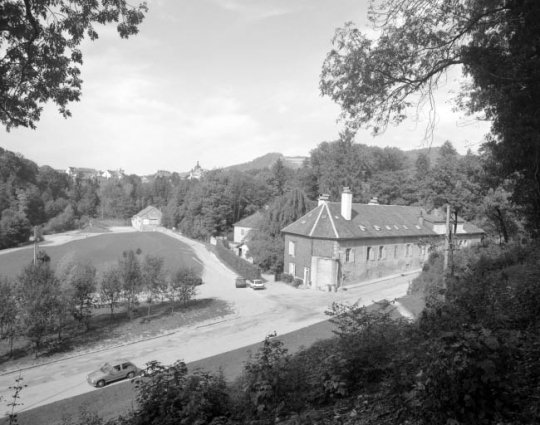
{"x":257,"y":284}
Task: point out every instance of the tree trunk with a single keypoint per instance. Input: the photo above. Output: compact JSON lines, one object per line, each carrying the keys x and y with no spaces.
{"x":502,"y":224}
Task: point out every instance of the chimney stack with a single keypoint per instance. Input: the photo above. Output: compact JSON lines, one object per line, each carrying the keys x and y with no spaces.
{"x":346,"y":203}
{"x":323,"y":199}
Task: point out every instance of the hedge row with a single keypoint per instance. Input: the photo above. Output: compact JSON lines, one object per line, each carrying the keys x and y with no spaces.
{"x":239,"y":265}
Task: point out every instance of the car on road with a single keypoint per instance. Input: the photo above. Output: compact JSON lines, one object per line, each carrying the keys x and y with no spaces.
{"x":257,"y":284}
{"x":240,"y":282}
{"x":112,"y":371}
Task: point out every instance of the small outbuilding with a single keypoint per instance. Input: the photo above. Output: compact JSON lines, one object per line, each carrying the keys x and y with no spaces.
{"x":147,"y":219}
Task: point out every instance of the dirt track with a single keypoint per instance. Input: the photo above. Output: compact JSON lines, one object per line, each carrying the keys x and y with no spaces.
{"x":279,"y":308}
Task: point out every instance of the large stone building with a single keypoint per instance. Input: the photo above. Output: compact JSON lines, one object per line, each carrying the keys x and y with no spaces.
{"x":343,"y":243}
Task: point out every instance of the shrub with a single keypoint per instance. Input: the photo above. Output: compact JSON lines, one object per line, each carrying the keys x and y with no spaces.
{"x":287,"y":278}
{"x":268,"y":383}
{"x":168,"y":395}
{"x":465,"y":378}
{"x":297,"y":282}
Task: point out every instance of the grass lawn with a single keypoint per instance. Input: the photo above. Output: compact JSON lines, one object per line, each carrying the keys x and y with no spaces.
{"x":105,"y":250}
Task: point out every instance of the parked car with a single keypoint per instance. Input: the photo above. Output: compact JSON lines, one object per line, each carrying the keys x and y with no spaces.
{"x":112,"y":371}
{"x":257,"y":284}
{"x":240,"y":282}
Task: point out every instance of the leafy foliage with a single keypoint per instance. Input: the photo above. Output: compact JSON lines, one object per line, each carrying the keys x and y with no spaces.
{"x":183,"y":285}
{"x":37,"y":295}
{"x":40,"y":55}
{"x":168,"y":395}
{"x":131,"y":279}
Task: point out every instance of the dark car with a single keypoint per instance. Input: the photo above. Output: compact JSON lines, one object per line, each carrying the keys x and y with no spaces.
{"x":240,"y":282}
{"x":112,"y":371}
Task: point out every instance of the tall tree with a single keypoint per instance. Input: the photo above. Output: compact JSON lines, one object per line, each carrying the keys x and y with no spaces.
{"x":131,"y":278}
{"x":266,"y":244}
{"x":110,"y":288}
{"x":9,"y":312}
{"x":279,"y":175}
{"x":182,"y":285}
{"x":78,"y":279}
{"x":40,"y":59}
{"x":14,"y":229}
{"x":341,"y":163}
{"x":376,"y":82}
{"x":154,"y":278}
{"x":37,"y":293}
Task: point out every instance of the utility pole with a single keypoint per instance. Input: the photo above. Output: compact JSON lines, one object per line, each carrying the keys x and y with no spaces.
{"x":446,"y":247}
{"x":35,"y":243}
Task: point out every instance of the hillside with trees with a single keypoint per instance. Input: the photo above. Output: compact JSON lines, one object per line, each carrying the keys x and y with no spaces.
{"x":32,"y":195}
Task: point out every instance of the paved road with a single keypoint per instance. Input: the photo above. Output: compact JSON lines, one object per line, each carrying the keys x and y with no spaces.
{"x":279,"y":308}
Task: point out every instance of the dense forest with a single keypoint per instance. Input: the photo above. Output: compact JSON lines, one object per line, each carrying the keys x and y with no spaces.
{"x":32,"y":195}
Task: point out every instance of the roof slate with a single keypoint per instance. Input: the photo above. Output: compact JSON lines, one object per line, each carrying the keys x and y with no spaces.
{"x":145,"y":211}
{"x":367,"y":221}
{"x":251,"y":221}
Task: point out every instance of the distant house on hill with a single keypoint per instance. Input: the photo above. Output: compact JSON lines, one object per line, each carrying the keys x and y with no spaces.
{"x":147,"y":219}
{"x":113,"y":174}
{"x":294,"y":162}
{"x":83,"y":173}
{"x":241,"y":230}
{"x":339,"y":244}
{"x":196,"y":173}
{"x":163,"y":174}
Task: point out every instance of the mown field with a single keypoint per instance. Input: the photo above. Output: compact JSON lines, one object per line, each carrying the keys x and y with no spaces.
{"x":103,"y":251}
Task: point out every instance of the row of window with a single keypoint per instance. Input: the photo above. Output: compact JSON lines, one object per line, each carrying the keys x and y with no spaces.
{"x":382,"y":252}
{"x":372,"y":253}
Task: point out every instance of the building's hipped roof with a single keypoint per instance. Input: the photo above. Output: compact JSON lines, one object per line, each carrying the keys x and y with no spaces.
{"x":252,"y":221}
{"x":471,"y":228}
{"x":367,"y":221}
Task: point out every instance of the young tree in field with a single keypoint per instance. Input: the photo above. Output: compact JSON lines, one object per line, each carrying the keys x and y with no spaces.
{"x":37,"y":292}
{"x":182,"y":286}
{"x":65,"y":291}
{"x":39,"y":54}
{"x":110,"y":289}
{"x":9,"y":312}
{"x":154,"y":278}
{"x":83,"y":283}
{"x":131,"y":278}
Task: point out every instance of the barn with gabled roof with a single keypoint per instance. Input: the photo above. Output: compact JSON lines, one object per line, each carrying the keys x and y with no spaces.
{"x":147,"y":219}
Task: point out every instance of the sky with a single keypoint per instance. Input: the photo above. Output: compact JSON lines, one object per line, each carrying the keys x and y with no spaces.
{"x":220,"y":82}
